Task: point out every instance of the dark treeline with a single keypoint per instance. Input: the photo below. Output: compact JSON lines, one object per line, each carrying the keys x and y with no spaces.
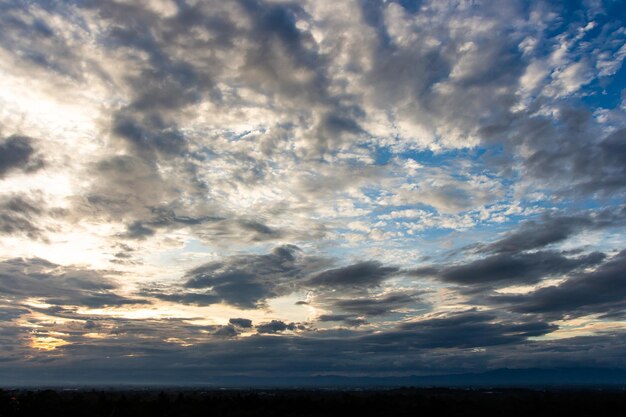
{"x":397,"y":402}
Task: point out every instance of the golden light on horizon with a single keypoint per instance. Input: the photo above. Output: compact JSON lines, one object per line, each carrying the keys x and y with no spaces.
{"x":47,"y":343}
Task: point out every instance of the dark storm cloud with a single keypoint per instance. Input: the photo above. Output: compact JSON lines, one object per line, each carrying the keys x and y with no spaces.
{"x":601,"y":291}
{"x":363,"y":274}
{"x":17,"y":153}
{"x":58,"y":285}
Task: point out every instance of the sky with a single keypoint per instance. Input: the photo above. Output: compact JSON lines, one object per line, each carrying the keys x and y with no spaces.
{"x":274,"y":188}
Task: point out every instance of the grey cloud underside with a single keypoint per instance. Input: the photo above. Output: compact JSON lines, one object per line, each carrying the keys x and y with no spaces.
{"x":523,"y":255}
{"x":520,"y":268}
{"x":249,"y":281}
{"x":375,"y":306}
{"x":422,"y":345}
{"x":57,"y":285}
{"x":594,"y":167}
{"x":18,"y":215}
{"x":240,"y":322}
{"x":272,"y":48}
{"x":29,"y":215}
{"x":277,"y":326}
{"x":267,"y":355}
{"x":601,"y":291}
{"x":38,"y":43}
{"x":552,"y":229}
{"x":416,"y":345}
{"x":464,"y":330}
{"x":364,"y":274}
{"x":17,"y":154}
{"x":591,"y":281}
{"x":244,"y":281}
{"x":345,"y":318}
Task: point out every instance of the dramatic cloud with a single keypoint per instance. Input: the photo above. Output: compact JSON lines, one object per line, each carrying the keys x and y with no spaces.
{"x":277,"y":187}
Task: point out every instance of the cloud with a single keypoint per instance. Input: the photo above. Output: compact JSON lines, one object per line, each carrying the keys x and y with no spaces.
{"x":246,"y":281}
{"x":239,"y":322}
{"x":17,"y":153}
{"x":600,"y":291}
{"x":249,"y":281}
{"x":19,"y":215}
{"x":274,"y":326}
{"x":552,"y":229}
{"x":347,"y":320}
{"x":524,"y":268}
{"x":375,"y":306}
{"x":363,"y":274}
{"x":573,"y":164}
{"x":58,"y":285}
{"x":466,"y":330}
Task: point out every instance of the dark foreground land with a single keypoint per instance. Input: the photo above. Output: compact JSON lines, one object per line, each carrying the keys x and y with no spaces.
{"x":392,"y":402}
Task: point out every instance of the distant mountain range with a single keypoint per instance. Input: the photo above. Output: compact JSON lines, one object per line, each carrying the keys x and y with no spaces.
{"x":534,"y":377}
{"x":500,"y":377}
